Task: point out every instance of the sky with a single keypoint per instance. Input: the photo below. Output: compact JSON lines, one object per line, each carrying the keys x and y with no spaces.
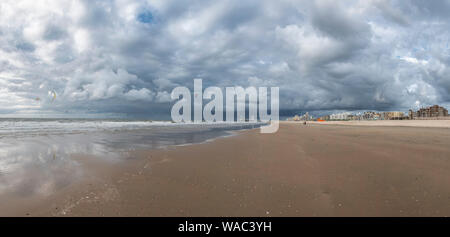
{"x":124,"y":57}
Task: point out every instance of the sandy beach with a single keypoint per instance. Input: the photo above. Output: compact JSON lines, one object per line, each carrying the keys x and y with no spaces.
{"x":391,"y":123}
{"x":311,"y":170}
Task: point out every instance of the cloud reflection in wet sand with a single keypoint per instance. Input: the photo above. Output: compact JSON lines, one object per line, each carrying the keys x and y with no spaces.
{"x":43,"y":164}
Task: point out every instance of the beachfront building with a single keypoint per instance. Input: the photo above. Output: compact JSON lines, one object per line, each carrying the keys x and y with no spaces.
{"x":391,"y":115}
{"x":353,"y":117}
{"x":305,"y":117}
{"x":295,"y":118}
{"x":370,"y":115}
{"x":340,"y":116}
{"x":429,"y":112}
{"x":326,"y":117}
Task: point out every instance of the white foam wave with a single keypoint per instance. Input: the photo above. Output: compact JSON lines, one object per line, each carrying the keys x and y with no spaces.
{"x":39,"y":127}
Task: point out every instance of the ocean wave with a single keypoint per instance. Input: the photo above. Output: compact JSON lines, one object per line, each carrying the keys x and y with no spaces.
{"x":24,"y":127}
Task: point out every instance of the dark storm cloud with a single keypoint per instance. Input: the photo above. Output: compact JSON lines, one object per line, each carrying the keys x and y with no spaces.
{"x":125,"y":57}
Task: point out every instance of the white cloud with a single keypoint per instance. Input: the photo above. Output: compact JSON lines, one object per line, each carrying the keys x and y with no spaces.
{"x":414,"y":60}
{"x":141,"y":94}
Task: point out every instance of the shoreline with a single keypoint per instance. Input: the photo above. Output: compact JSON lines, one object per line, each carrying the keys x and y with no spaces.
{"x":298,"y":171}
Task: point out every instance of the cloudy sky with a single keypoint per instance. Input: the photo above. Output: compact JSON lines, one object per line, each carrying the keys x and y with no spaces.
{"x":124,"y":57}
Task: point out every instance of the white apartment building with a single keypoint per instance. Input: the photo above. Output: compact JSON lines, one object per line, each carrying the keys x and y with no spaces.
{"x":340,"y":116}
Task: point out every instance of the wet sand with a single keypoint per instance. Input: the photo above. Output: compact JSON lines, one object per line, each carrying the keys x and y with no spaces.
{"x":311,"y":170}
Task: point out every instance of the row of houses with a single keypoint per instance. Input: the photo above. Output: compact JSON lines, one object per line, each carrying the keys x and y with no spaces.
{"x":432,"y":112}
{"x":368,"y":115}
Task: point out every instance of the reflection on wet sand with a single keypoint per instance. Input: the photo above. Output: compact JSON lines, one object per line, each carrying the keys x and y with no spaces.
{"x":41,"y":165}
{"x":35,"y":166}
